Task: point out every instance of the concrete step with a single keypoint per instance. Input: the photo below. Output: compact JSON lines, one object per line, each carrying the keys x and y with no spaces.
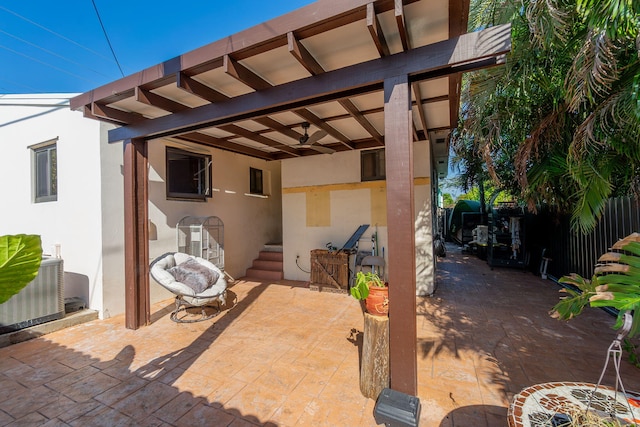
{"x":273,"y":247}
{"x":36,"y":331}
{"x":264,"y":264}
{"x":270,"y":256}
{"x":268,"y":265}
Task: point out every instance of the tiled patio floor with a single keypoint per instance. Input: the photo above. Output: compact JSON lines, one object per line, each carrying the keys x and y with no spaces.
{"x":288,"y":356}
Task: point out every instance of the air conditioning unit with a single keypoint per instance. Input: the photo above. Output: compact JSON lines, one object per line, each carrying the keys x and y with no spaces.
{"x":42,"y":300}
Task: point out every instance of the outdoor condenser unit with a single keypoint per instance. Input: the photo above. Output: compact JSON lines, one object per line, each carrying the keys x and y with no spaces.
{"x":42,"y":300}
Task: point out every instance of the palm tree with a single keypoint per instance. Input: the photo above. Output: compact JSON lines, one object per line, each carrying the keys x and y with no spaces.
{"x":562,"y":118}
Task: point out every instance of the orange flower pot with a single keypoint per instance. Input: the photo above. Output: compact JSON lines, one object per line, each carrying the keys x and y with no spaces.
{"x":377,"y":303}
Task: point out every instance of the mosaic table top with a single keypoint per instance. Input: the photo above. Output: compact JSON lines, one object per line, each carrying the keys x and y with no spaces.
{"x":540,"y":404}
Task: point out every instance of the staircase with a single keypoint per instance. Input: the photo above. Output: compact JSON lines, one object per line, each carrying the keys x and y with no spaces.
{"x":268,"y":265}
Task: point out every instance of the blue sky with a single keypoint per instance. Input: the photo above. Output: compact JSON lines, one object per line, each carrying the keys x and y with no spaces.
{"x":59,"y":47}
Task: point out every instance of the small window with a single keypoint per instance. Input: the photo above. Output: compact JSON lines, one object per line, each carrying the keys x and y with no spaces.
{"x":188,"y":175}
{"x":372,"y":165}
{"x":45,"y":173}
{"x":255,"y":181}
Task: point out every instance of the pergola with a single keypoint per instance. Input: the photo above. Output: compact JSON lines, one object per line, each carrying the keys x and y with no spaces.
{"x":369,"y":73}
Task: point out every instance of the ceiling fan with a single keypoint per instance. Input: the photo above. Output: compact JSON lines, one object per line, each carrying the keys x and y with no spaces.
{"x":309,"y":141}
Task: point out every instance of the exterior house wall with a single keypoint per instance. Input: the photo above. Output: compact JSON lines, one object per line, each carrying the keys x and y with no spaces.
{"x":74,"y":219}
{"x":112,"y":208}
{"x":249,"y":221}
{"x":329,"y":204}
{"x":87,"y":219}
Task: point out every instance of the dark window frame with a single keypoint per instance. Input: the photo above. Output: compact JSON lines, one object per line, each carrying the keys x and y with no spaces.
{"x":180,"y":164}
{"x":372,"y":165}
{"x":256,"y":181}
{"x":45,"y":172}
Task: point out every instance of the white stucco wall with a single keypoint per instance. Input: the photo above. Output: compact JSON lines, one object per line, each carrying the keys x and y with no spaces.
{"x":350,"y":206}
{"x":87,"y":219}
{"x":112,"y":209}
{"x":74,"y":220}
{"x":249,"y":221}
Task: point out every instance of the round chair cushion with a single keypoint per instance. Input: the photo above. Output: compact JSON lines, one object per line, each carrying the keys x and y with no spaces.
{"x":160,"y":271}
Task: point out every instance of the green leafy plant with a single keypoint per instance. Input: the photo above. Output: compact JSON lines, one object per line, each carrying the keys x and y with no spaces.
{"x":632,"y":352}
{"x":615,"y":283}
{"x":20,"y":258}
{"x":364,"y":281}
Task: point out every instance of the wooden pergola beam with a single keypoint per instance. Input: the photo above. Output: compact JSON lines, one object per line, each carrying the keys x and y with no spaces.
{"x":307,"y":21}
{"x":243,"y":74}
{"x":259,"y":138}
{"x":304,"y":57}
{"x":423,"y":118}
{"x":278,"y":127}
{"x":466,"y":52}
{"x":189,"y":84}
{"x":155,"y":100}
{"x":401,"y":24}
{"x":106,"y":112}
{"x":307,"y":60}
{"x":322,"y":124}
{"x":136,"y":234}
{"x":398,"y":123}
{"x":348,"y":105}
{"x":375,"y":30}
{"x":212,"y":141}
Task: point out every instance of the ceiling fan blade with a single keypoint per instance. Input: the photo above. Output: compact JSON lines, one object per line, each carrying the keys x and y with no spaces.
{"x":316,"y":136}
{"x":322,"y":149}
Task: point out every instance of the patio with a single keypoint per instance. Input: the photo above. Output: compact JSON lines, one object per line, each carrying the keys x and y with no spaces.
{"x":288,"y":356}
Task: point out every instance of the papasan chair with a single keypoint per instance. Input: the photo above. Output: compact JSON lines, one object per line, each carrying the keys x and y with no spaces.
{"x":194,"y":281}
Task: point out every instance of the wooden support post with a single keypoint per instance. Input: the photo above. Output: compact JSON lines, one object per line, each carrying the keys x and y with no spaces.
{"x":403,"y":336}
{"x":374,"y":368}
{"x":136,"y":234}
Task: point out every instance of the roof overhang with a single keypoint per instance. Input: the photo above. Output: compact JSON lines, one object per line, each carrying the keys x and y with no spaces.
{"x":323,"y":64}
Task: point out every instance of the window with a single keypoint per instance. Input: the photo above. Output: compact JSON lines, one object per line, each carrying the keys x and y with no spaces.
{"x":188,"y":175}
{"x":372,"y":165}
{"x":45,"y":172}
{"x":255,"y":181}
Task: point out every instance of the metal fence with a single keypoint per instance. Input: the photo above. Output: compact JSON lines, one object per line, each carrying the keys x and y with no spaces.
{"x":573,"y":252}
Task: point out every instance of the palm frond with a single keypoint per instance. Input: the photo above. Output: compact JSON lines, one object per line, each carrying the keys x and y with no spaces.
{"x":593,"y":191}
{"x":617,"y":18}
{"x":613,"y":123}
{"x":547,"y":131}
{"x":548,"y":21}
{"x":593,"y":72}
{"x":615,"y":283}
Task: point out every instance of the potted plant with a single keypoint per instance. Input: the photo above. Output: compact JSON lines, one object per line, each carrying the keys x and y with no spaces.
{"x":371,"y":289}
{"x":615,"y":284}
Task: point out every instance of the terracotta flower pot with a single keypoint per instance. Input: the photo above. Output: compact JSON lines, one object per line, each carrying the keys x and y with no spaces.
{"x":377,"y":303}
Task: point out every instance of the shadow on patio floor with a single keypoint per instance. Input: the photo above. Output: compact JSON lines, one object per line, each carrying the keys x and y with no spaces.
{"x":288,"y":356}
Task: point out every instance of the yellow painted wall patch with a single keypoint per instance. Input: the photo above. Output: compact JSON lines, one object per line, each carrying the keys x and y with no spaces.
{"x":318,"y":208}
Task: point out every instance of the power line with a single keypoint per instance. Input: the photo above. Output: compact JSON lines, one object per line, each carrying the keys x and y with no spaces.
{"x":106,"y":36}
{"x":53,"y":53}
{"x":54,"y":33}
{"x":17,"y":84}
{"x":45,"y":63}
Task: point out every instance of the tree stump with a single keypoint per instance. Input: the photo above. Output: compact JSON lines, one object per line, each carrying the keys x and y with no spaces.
{"x":374,"y":367}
